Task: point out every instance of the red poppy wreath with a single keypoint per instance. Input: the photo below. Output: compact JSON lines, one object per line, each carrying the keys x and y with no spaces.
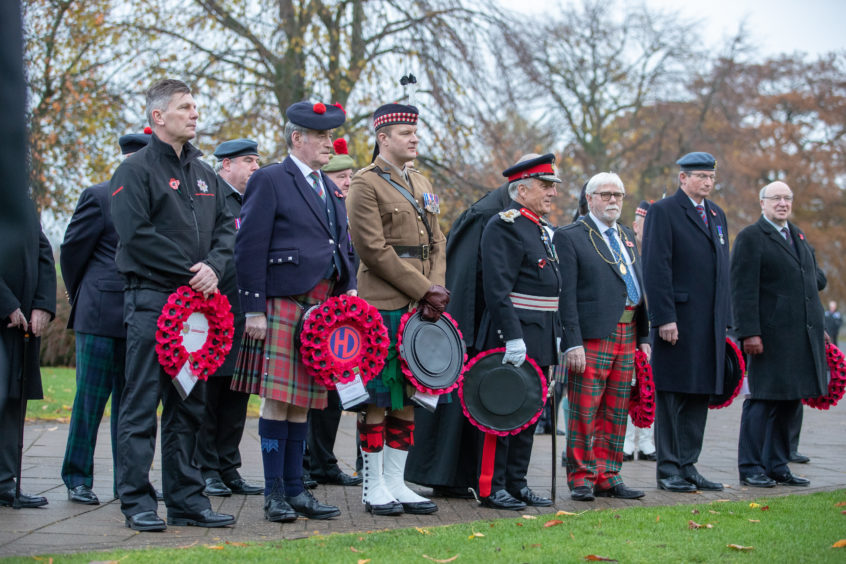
{"x":343,"y":334}
{"x":186,"y":318}
{"x":836,"y":383}
{"x":642,"y":400}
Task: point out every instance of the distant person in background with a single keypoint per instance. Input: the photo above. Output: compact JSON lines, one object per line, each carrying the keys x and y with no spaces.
{"x":833,"y":321}
{"x":95,"y":291}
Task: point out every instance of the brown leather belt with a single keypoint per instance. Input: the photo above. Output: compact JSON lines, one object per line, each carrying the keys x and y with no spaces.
{"x":412,"y":251}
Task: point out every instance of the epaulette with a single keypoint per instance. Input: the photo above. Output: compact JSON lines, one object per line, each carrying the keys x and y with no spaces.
{"x":508,"y":216}
{"x":368,"y":167}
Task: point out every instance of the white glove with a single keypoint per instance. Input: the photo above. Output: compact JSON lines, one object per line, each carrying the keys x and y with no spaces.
{"x":515,"y":352}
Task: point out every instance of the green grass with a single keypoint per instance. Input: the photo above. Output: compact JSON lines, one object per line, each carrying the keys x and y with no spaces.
{"x":798,"y":528}
{"x":59,"y":389}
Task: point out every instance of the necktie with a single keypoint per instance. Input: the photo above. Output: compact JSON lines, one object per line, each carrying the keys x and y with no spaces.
{"x":631,"y":289}
{"x":786,"y":234}
{"x":315,"y":183}
{"x":701,"y":209}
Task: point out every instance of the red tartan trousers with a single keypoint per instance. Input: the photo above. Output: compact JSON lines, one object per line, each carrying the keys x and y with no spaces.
{"x":599,"y":404}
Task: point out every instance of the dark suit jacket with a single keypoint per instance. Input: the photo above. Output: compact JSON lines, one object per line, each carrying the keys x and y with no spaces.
{"x":94,"y":285}
{"x":593,"y":292}
{"x":285,"y":244}
{"x":686,"y":274}
{"x":775,"y":296}
{"x":229,"y":287}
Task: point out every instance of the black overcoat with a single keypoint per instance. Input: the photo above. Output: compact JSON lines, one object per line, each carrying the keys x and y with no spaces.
{"x":229,"y":286}
{"x":775,"y":296}
{"x":686,"y":274}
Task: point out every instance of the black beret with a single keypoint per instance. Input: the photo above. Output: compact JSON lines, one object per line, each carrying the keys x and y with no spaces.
{"x":132,"y":142}
{"x":393,"y":114}
{"x":318,"y":117}
{"x":697,"y":161}
{"x":539,"y":167}
{"x":236,"y":148}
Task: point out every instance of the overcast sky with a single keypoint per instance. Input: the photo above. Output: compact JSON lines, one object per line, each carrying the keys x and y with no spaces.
{"x":775,"y":26}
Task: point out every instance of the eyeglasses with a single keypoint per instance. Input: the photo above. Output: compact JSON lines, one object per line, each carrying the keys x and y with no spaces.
{"x":779,"y":198}
{"x":606,"y":196}
{"x":704,"y":176}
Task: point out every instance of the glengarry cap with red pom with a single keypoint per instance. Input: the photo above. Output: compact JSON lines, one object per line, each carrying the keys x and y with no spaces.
{"x":132,"y":142}
{"x":318,"y":117}
{"x":341,"y":160}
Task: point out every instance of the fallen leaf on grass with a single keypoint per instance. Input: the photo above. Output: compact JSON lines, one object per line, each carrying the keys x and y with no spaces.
{"x":214,"y":547}
{"x":657,"y":518}
{"x":354,"y":549}
{"x":712,"y":512}
{"x":427,"y":557}
{"x":572,"y":536}
{"x":695,"y":525}
{"x":519,"y":524}
{"x":422,"y":531}
{"x":98,"y":561}
{"x":529,"y":517}
{"x":695,"y":511}
{"x":765,"y":508}
{"x":754,"y":520}
{"x":536,"y":545}
{"x":364,"y":561}
{"x":595,"y":558}
{"x":839,"y":544}
{"x":740,"y":547}
{"x":236,"y":543}
{"x":553,"y":522}
{"x":474,"y":535}
{"x":567,"y":513}
{"x":754,"y":505}
{"x":843,"y":512}
{"x":840,"y":504}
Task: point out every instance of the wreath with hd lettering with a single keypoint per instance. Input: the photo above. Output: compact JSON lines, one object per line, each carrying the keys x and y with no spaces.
{"x":404,"y":365}
{"x":642,"y":399}
{"x":171,"y":329}
{"x":343,"y":334}
{"x":836,"y":382}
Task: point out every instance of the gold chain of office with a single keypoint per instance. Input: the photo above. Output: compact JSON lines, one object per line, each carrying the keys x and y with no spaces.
{"x":618,"y":260}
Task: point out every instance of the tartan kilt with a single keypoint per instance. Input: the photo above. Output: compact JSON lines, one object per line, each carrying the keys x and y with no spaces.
{"x":273,"y":368}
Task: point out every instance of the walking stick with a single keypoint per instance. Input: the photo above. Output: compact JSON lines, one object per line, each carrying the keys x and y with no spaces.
{"x":17,"y":501}
{"x":554,"y":417}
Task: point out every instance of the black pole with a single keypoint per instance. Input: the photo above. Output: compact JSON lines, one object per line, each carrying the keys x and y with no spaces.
{"x":17,"y":502}
{"x":554,"y":418}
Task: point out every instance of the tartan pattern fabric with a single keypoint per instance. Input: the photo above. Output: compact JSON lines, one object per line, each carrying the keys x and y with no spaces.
{"x":599,"y":403}
{"x":371,"y":436}
{"x":99,"y":373}
{"x":399,"y":434}
{"x":389,"y":389}
{"x":273,"y":368}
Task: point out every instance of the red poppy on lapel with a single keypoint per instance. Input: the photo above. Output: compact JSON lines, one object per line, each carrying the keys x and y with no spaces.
{"x":629,"y":243}
{"x":713,"y":213}
{"x":541,"y":262}
{"x":801,"y":236}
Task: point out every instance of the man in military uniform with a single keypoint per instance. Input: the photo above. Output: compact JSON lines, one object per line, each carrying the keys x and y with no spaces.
{"x":226,"y":410}
{"x":394,"y":228}
{"x":779,"y":318}
{"x":291,"y":252}
{"x":686,"y":275}
{"x":95,"y":290}
{"x":174,"y":229}
{"x":521,"y":284}
{"x":604,"y":319}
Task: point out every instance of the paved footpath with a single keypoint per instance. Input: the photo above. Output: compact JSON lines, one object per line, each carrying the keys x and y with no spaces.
{"x":63,"y":526}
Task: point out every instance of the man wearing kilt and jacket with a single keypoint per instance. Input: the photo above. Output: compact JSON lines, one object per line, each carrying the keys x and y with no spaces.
{"x":291,"y":252}
{"x":394,"y":228}
{"x":603,"y":315}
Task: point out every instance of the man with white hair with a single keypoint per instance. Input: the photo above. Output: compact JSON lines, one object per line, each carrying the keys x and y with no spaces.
{"x":603,"y":315}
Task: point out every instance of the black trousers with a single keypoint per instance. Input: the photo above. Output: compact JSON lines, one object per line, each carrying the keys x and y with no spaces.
{"x":181,"y":420}
{"x":10,"y":423}
{"x":320,"y":461}
{"x":510,"y":456}
{"x":796,"y":427}
{"x":764,"y":445}
{"x":218,"y":454}
{"x":679,"y":430}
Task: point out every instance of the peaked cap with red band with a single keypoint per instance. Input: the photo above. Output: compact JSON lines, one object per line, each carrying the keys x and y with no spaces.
{"x":393,"y":114}
{"x":541,"y":168}
{"x":318,"y":117}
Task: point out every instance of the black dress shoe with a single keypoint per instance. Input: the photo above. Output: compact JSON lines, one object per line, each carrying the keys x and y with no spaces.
{"x":628,"y":457}
{"x":305,"y":504}
{"x":651,"y":457}
{"x":619,"y":491}
{"x":757,"y":481}
{"x":241,"y":487}
{"x":799,"y":458}
{"x":582,"y":493}
{"x":451,"y":491}
{"x":676,"y":484}
{"x":215,"y":486}
{"x":529,"y":497}
{"x":393,"y":508}
{"x":146,"y":521}
{"x":83,"y":494}
{"x":789,"y":479}
{"x":503,"y":500}
{"x":426,"y":507}
{"x":208,"y":518}
{"x":7,"y":498}
{"x":308,"y":482}
{"x":276,"y":509}
{"x":341,"y":479}
{"x":701,"y":483}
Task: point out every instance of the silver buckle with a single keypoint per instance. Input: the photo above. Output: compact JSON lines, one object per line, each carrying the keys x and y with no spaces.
{"x":424,"y":252}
